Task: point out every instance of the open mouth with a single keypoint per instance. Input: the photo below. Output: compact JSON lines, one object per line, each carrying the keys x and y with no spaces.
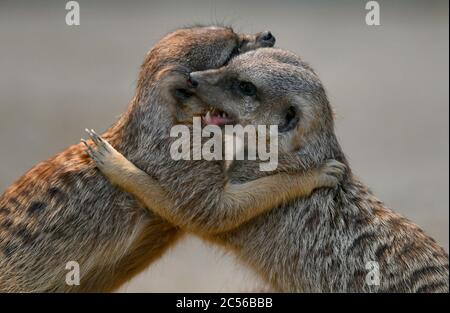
{"x":217,"y":117}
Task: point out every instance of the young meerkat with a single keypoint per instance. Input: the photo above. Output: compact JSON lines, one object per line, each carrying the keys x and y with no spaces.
{"x":336,"y":240}
{"x":64,"y":210}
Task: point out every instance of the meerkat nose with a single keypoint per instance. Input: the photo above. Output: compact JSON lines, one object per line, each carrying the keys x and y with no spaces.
{"x":266,"y":38}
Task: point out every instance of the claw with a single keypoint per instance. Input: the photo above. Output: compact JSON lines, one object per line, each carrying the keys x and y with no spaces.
{"x":94,"y":136}
{"x":88,"y":132}
{"x":89,"y":149}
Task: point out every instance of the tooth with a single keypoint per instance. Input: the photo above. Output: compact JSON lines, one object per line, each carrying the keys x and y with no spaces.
{"x":208,"y":116}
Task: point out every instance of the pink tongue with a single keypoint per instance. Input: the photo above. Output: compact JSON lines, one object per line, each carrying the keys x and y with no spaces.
{"x":216,"y":120}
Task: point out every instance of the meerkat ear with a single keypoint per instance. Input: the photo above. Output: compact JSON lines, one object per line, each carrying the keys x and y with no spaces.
{"x":291,"y":117}
{"x":173,"y":83}
{"x":305,"y":108}
{"x":290,"y":114}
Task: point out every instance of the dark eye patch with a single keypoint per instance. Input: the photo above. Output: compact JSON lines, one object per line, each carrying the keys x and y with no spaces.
{"x":182,"y":94}
{"x":247,"y":88}
{"x":291,"y":119}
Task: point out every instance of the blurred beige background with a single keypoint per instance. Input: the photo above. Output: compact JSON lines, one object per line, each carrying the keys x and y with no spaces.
{"x":389,"y":85}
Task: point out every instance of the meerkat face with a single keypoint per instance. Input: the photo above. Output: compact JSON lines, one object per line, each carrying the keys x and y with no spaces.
{"x":197,"y":49}
{"x":265,"y":87}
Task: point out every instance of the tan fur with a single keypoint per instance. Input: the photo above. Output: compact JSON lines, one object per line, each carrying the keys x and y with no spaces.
{"x":321,"y":243}
{"x":237,"y":204}
{"x":64,"y":210}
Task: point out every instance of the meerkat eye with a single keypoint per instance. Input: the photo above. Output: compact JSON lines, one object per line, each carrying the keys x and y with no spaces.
{"x":247,"y":88}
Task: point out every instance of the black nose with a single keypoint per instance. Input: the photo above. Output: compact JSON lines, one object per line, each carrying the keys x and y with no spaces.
{"x":192,"y":82}
{"x":266,"y":38}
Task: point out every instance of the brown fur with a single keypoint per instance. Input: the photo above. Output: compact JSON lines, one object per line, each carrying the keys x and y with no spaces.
{"x":64,"y":210}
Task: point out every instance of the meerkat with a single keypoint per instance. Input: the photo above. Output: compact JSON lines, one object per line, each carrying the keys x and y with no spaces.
{"x":221,"y":206}
{"x":64,"y":210}
{"x":337,"y":240}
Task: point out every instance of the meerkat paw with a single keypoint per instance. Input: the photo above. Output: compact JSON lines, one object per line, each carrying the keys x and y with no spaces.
{"x":331,"y":173}
{"x":107,"y":159}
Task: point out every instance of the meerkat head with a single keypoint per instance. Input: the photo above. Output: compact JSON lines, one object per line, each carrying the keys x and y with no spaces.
{"x":185,"y":50}
{"x":205,"y":47}
{"x":266,"y":87}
